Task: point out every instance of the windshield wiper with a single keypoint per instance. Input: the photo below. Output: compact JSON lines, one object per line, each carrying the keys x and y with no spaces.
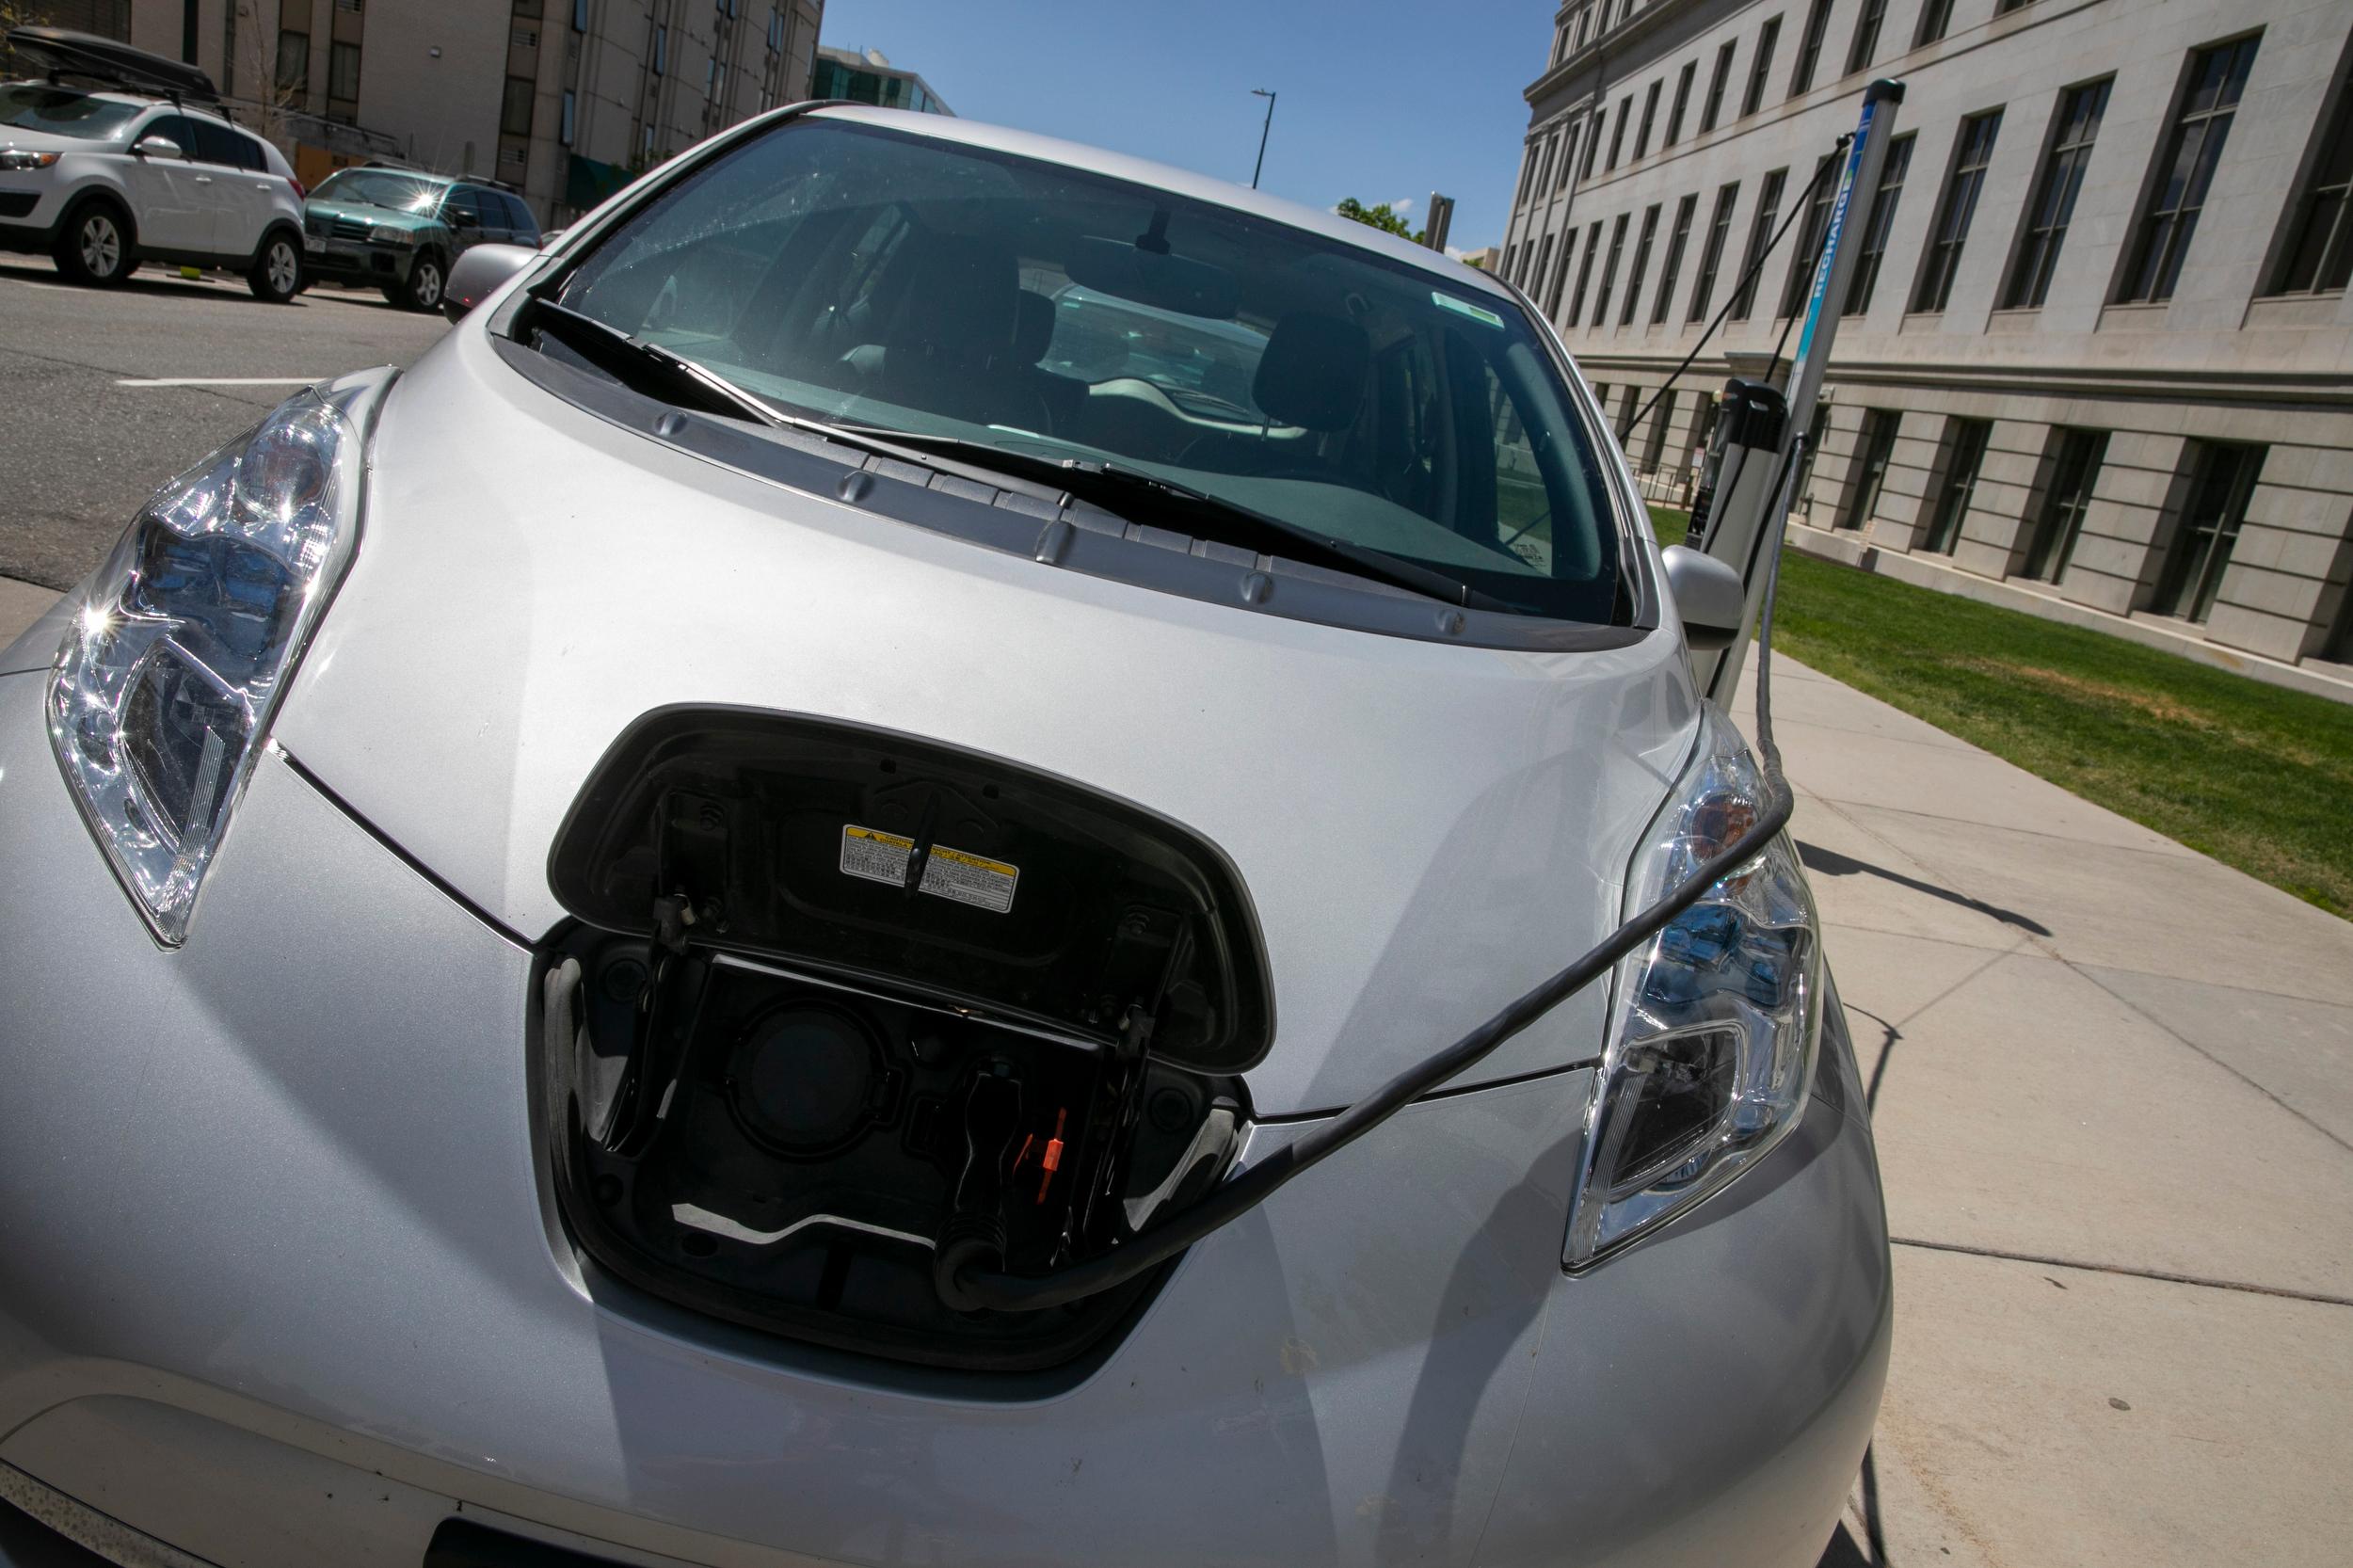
{"x":650,"y":367}
{"x":1112,"y":483}
{"x":647,"y":366}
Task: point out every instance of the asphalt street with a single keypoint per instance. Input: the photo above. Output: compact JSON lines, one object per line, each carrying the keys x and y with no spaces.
{"x":80,"y":450}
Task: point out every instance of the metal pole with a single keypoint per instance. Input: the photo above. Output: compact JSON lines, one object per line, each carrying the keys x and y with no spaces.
{"x":1858,"y":186}
{"x":1261,"y":92}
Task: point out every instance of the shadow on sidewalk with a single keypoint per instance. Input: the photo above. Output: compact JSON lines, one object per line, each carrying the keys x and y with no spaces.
{"x":1829,"y":862}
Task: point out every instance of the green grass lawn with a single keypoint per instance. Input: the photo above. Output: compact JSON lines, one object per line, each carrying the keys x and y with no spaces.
{"x":2259,"y":777}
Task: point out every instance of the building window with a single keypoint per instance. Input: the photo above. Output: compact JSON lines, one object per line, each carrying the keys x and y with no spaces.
{"x":1560,"y":274}
{"x":1654,"y":443}
{"x":1810,"y":47}
{"x":1712,"y":254}
{"x":1866,"y":35}
{"x":1762,"y":70}
{"x":1967,"y":455}
{"x":1815,"y":428}
{"x":1874,"y":246}
{"x":1568,"y":160}
{"x":1811,"y":232}
{"x":1544,"y":260}
{"x":660,"y":47}
{"x":2320,"y":256}
{"x":343,"y":73}
{"x":1971,"y":152}
{"x":1592,"y":143}
{"x":1870,"y":471}
{"x":1675,"y":242}
{"x":2076,"y":127}
{"x":2210,"y":523}
{"x":1543,"y":163}
{"x":2003,"y":7}
{"x":1641,"y":264}
{"x":1533,"y":161}
{"x":2064,"y":506}
{"x":1584,"y":274}
{"x":515,"y":109}
{"x":776,"y":30}
{"x":1650,"y":113}
{"x":1610,"y":272}
{"x":1935,"y":16}
{"x":2216,"y":77}
{"x":1617,"y":134}
{"x":1626,"y":412}
{"x":1683,"y":101}
{"x":293,"y":62}
{"x":1760,"y":237}
{"x":579,"y":16}
{"x":564,"y":128}
{"x":1718,"y":79}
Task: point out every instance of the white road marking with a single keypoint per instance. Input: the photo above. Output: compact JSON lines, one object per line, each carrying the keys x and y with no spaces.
{"x":225,"y":381}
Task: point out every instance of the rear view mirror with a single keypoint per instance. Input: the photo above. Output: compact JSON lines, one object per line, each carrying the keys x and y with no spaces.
{"x":1155,"y":278}
{"x":155,"y":147}
{"x":480,"y":273}
{"x":1709,"y":598}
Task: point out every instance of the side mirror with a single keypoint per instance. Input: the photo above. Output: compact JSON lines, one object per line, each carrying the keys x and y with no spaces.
{"x":155,"y":147}
{"x":1708,"y":597}
{"x":480,"y":273}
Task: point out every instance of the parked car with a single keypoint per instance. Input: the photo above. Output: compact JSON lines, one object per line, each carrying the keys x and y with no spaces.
{"x":103,"y":180}
{"x":399,"y":229}
{"x":629,"y":945}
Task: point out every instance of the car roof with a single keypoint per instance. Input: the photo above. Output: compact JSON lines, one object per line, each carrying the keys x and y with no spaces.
{"x":1180,"y":182}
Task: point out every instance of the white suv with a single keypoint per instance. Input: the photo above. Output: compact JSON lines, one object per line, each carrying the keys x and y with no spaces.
{"x":104,"y":181}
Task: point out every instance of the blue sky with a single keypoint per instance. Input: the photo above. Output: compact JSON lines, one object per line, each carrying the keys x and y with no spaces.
{"x":1380,"y":100}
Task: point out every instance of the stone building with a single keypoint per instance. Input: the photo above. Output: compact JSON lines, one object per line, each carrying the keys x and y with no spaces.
{"x":563,"y":99}
{"x":2098,"y":357}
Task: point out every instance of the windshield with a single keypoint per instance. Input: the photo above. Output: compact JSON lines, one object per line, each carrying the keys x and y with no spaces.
{"x":62,"y":111}
{"x":868,"y":276}
{"x":380,"y":188}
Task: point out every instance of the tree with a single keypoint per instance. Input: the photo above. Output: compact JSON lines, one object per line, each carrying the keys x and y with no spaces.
{"x":1378,"y":217}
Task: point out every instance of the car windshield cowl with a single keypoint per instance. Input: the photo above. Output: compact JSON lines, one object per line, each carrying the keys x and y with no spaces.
{"x":1251,"y":382}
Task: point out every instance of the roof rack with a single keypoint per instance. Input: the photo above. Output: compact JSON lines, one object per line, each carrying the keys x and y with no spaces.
{"x":60,"y":53}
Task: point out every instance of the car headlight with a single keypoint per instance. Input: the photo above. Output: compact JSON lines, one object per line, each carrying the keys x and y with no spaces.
{"x":392,"y":234}
{"x":168,"y":676}
{"x":1714,"y":1025}
{"x":17,"y":158}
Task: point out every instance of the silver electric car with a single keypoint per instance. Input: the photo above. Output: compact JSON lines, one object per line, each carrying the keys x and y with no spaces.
{"x":667,"y":938}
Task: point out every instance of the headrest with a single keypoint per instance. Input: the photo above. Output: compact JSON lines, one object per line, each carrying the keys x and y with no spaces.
{"x":961,"y":299}
{"x":1032,"y":327}
{"x":1313,"y":372}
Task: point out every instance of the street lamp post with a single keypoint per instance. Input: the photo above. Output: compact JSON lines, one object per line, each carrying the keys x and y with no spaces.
{"x":1261,"y":92}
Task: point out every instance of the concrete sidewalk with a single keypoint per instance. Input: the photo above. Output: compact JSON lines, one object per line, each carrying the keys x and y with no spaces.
{"x":21,"y":605}
{"x":2113,"y":1089}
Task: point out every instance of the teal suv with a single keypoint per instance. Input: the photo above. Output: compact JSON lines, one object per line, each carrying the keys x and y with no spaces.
{"x":397,"y":229}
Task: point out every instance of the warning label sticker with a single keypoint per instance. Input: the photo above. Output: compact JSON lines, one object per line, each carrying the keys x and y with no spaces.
{"x":950,"y":873}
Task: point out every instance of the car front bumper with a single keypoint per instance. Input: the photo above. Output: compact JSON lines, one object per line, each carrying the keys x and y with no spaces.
{"x":353,"y":262}
{"x":281,"y":1284}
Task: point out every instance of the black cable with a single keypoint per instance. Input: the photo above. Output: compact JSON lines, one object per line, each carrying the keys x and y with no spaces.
{"x":956,"y":1265}
{"x":1805,"y":201}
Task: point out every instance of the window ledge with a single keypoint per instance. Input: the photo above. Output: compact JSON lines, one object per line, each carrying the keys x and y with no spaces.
{"x":2141,"y":317}
{"x":2295,"y":309}
{"x":2023,"y":320}
{"x":1920,"y":321}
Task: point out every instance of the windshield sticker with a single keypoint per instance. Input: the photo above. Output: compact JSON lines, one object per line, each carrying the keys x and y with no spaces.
{"x":1465,"y":308}
{"x":955,"y":874}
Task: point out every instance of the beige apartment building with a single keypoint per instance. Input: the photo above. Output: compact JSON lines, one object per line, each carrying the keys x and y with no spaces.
{"x":2097,"y":360}
{"x":563,"y":99}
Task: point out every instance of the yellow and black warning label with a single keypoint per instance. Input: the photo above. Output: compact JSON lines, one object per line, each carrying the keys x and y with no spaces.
{"x":950,"y":873}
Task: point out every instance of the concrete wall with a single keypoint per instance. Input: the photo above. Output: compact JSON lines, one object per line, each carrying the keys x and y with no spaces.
{"x":2217,"y":361}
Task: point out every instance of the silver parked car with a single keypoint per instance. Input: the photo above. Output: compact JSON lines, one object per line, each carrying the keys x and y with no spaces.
{"x":725,"y":926}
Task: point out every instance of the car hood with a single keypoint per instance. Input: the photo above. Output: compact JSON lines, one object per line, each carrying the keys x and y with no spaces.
{"x":1425,"y":830}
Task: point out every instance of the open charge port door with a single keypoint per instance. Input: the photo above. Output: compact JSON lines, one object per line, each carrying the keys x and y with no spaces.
{"x":833,"y":998}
